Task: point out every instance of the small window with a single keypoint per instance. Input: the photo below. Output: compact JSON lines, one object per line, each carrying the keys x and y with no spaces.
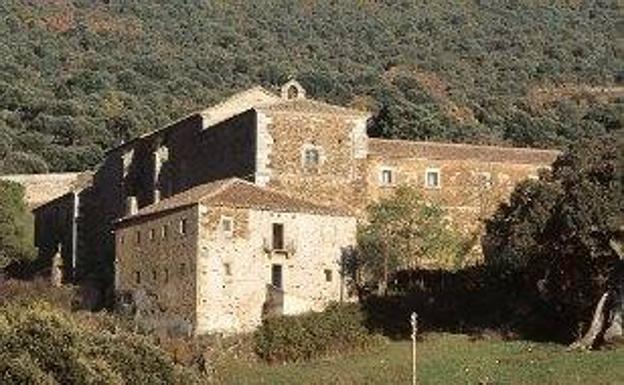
{"x":138,"y":237}
{"x":164,"y":231}
{"x":154,"y":275}
{"x":227,"y":225}
{"x":278,"y":236}
{"x":183,"y":269}
{"x":432,"y":178}
{"x":387,"y":177}
{"x":328,"y":275}
{"x":166,"y":275}
{"x":137,"y":277}
{"x":311,"y":157}
{"x":183,"y":226}
{"x":227,"y":268}
{"x":152,"y":234}
{"x":293,"y":92}
{"x":485,"y":180}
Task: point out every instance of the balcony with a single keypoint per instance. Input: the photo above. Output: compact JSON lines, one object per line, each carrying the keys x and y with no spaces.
{"x":272,"y":248}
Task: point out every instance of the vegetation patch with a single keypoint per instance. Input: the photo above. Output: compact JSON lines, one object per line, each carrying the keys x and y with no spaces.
{"x":338,"y":329}
{"x":40,"y":344}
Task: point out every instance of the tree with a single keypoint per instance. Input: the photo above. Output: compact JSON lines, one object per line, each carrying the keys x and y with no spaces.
{"x":15,"y":225}
{"x":404,"y":231}
{"x":559,"y":231}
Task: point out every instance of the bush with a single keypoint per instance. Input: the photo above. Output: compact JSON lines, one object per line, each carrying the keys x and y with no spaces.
{"x":40,"y":344}
{"x":302,"y":337}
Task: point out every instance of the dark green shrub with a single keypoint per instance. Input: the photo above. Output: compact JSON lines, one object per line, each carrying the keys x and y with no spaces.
{"x":15,"y":225}
{"x":295,"y":338}
{"x":40,"y":344}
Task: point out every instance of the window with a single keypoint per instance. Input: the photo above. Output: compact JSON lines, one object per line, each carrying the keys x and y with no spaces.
{"x":227,"y":226}
{"x":328,"y":275}
{"x":164,"y":231}
{"x":387,"y":177}
{"x":152,"y":234}
{"x":276,"y":276}
{"x":137,"y":277}
{"x":278,"y":236}
{"x":138,"y":237}
{"x":311,"y":157}
{"x":227,"y":268}
{"x":183,"y":269}
{"x":432,"y":178}
{"x":166,"y":274}
{"x":293,"y":92}
{"x":183,"y":226}
{"x":485,"y":179}
{"x":154,"y":275}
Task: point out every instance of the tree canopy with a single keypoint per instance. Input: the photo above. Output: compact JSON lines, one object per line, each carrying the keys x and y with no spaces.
{"x":405,"y":232}
{"x":78,"y":75}
{"x":557,"y":231}
{"x":15,"y":225}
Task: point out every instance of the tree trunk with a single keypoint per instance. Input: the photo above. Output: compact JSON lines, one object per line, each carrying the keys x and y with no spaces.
{"x":587,"y":341}
{"x":614,"y":330}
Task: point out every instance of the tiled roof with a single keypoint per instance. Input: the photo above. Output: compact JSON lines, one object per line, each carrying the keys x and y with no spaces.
{"x":309,"y":106}
{"x":236,"y":192}
{"x":391,"y":148}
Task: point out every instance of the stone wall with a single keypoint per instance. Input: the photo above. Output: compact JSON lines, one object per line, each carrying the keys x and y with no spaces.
{"x":339,"y":178}
{"x":234,"y":269}
{"x":55,"y":231}
{"x":164,"y":293}
{"x":43,"y":188}
{"x":159,"y":165}
{"x":473,"y":180}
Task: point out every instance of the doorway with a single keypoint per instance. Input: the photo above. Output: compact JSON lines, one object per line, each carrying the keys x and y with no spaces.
{"x":276,"y":276}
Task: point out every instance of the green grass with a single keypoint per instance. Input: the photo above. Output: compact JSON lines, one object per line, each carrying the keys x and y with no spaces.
{"x":443,"y":359}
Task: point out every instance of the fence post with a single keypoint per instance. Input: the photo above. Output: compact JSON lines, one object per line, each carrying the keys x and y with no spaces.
{"x":414,"y":323}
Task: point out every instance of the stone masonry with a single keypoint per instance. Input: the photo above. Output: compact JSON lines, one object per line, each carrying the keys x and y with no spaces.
{"x":314,"y":153}
{"x":211,"y":260}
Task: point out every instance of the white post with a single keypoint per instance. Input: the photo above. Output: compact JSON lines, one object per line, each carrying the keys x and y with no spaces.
{"x":414,"y":323}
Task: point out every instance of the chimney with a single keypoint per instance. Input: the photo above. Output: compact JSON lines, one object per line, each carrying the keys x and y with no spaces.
{"x":156,"y":195}
{"x":132,"y":206}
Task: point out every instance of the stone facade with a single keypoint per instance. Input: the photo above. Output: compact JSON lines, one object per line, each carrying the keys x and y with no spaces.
{"x":307,"y":149}
{"x":40,"y":189}
{"x":219,"y":271}
{"x":156,"y":265}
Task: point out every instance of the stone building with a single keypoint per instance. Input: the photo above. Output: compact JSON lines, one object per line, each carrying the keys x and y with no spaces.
{"x":309,"y":150}
{"x":220,"y":256}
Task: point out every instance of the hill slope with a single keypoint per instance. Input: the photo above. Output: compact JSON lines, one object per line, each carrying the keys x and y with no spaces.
{"x":77,"y":75}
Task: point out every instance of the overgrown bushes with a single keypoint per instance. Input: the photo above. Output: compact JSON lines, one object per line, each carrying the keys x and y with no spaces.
{"x":295,"y":338}
{"x":40,"y":344}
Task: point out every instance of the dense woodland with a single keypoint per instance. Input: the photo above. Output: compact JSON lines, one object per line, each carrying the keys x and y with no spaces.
{"x":77,"y":76}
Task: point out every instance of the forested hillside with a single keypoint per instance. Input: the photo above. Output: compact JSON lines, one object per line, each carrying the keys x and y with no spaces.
{"x":76,"y":76}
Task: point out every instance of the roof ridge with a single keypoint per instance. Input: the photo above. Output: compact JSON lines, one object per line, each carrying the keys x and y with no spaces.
{"x":225,"y":183}
{"x":490,"y":146}
{"x":314,"y":102}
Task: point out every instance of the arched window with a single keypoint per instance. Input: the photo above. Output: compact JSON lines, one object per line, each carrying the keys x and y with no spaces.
{"x":293,"y":92}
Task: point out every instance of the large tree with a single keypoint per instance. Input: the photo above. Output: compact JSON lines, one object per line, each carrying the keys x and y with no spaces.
{"x":16,"y":242}
{"x":405,"y":231}
{"x":559,"y":233}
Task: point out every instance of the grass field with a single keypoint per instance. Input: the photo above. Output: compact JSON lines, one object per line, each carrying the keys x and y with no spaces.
{"x":442,"y":359}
